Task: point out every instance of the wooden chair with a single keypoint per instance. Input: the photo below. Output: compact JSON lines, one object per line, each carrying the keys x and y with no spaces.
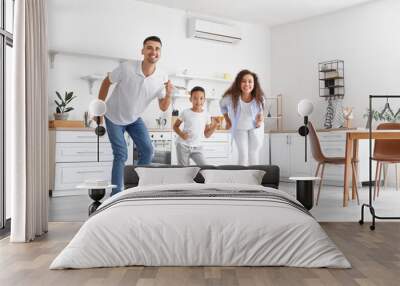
{"x":322,"y":160}
{"x":385,"y":152}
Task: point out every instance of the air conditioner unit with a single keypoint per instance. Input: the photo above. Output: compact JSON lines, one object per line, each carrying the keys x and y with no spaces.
{"x":202,"y":29}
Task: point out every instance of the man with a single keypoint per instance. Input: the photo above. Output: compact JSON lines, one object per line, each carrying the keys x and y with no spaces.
{"x":137,"y":84}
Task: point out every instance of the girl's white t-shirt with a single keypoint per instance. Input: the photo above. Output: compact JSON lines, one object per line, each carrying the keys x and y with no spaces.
{"x":194,"y":124}
{"x":245,"y":121}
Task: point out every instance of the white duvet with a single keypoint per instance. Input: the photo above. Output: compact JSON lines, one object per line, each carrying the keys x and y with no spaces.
{"x":200,"y":231}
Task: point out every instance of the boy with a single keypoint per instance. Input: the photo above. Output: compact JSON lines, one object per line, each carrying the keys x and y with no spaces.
{"x":195,"y":125}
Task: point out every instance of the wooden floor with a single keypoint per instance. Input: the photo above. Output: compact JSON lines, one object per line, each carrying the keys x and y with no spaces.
{"x":374,"y":255}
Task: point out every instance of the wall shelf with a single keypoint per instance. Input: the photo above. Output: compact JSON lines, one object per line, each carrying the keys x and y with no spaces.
{"x":331,"y":79}
{"x":188,"y":77}
{"x":277,"y":115}
{"x":54,"y":52}
{"x":91,"y":79}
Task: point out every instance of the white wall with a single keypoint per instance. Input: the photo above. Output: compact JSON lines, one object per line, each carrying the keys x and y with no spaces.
{"x":367,"y":39}
{"x":117,"y":28}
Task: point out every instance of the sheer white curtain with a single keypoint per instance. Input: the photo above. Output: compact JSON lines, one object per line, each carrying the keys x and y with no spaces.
{"x":29,"y":123}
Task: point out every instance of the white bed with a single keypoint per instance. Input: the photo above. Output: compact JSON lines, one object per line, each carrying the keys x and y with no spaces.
{"x":257,"y":226}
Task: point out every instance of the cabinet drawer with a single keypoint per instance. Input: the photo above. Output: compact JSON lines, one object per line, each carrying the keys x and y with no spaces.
{"x":216,"y":150}
{"x":217,"y":137}
{"x":83,"y":152}
{"x":334,"y":172}
{"x":334,"y":149}
{"x":70,"y":175}
{"x":79,"y":136}
{"x":331,"y":136}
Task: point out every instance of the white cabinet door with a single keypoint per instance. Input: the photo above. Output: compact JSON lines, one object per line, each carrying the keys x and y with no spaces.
{"x":280,"y":153}
{"x":216,"y":149}
{"x":264,"y":153}
{"x":79,"y":136}
{"x":70,"y":175}
{"x":82,"y":152}
{"x":298,"y":166}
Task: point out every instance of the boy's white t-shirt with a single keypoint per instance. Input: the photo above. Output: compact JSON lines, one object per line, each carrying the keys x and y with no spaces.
{"x":194,"y":124}
{"x":133,"y":92}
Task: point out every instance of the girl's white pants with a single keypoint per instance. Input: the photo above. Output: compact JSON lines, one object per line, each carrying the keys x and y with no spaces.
{"x":249,"y":143}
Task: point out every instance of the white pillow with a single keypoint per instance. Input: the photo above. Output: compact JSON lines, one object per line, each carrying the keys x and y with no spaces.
{"x":249,"y":177}
{"x":166,"y":176}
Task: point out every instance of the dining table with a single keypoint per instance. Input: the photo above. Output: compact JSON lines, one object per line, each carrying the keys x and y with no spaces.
{"x":351,"y":155}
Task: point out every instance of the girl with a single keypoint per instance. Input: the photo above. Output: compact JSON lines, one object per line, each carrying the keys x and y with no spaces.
{"x":242,"y":106}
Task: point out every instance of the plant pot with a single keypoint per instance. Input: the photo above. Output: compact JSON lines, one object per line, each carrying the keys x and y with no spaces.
{"x":61,"y":116}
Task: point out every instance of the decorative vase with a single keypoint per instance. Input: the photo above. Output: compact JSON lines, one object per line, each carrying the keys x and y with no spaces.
{"x":61,"y":116}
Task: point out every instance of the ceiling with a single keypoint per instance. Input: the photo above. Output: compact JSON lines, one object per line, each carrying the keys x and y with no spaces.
{"x":268,"y":12}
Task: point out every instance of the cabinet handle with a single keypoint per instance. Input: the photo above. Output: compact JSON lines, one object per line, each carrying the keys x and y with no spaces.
{"x":89,"y":152}
{"x":338,"y":149}
{"x":87,"y":136}
{"x":89,"y":172}
{"x":332,"y":137}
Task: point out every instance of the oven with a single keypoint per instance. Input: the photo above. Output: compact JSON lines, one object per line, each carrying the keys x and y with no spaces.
{"x":162,"y":143}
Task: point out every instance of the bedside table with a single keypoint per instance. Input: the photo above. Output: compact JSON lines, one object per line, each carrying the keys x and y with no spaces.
{"x":96,"y":193}
{"x":305,"y":190}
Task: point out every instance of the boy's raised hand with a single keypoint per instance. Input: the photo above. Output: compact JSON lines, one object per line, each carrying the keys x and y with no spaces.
{"x":215,"y":121}
{"x":169,"y":87}
{"x":184,"y":135}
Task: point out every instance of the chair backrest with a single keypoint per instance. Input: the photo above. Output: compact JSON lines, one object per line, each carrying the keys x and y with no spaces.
{"x":315,"y":145}
{"x":387,"y":147}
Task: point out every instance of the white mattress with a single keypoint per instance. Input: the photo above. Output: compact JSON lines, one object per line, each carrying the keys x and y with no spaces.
{"x":191,"y":231}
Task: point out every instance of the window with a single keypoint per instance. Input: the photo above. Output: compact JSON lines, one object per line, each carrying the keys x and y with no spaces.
{"x":6,"y":43}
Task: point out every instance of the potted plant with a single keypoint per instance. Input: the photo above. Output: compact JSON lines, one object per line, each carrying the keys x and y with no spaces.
{"x":62,"y":108}
{"x":379,"y":116}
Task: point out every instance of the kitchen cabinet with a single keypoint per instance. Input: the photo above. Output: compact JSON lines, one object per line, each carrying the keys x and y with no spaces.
{"x":73,"y":159}
{"x":287,"y":151}
{"x":217,"y":149}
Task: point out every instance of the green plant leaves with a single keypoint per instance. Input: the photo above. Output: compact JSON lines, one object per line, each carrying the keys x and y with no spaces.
{"x":68,"y":109}
{"x":377,"y":116}
{"x":62,"y":105}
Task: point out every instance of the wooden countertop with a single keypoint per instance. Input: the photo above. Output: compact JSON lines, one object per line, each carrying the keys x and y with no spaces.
{"x":318,"y":130}
{"x":92,"y":129}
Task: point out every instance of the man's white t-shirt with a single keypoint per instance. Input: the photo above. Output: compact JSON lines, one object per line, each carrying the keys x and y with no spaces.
{"x":194,"y":124}
{"x":245,"y":121}
{"x":133,"y":92}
